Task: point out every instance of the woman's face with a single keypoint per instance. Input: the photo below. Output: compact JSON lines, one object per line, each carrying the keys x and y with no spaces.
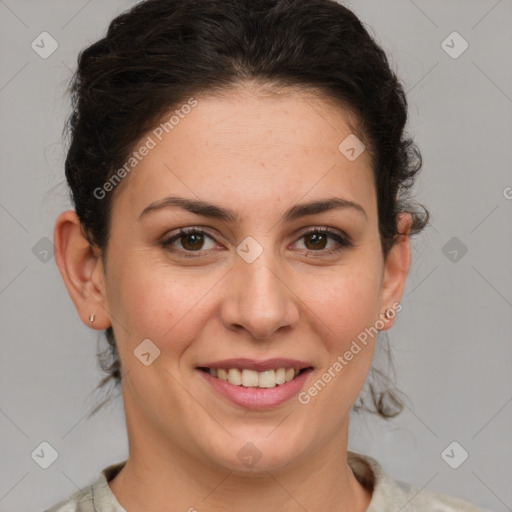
{"x":259,"y":288}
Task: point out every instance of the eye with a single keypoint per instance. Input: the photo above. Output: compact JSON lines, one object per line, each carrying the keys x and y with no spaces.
{"x":193,"y":240}
{"x":316,"y":240}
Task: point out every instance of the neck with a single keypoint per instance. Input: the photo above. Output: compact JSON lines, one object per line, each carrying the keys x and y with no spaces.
{"x":172,"y":479}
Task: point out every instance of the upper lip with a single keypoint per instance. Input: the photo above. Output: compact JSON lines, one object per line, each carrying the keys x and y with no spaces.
{"x":259,"y":366}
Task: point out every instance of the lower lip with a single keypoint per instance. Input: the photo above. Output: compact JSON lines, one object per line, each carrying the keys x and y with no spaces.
{"x":257,"y":398}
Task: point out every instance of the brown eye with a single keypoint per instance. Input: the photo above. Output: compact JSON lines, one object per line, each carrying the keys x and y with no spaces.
{"x":318,"y":239}
{"x":191,"y":240}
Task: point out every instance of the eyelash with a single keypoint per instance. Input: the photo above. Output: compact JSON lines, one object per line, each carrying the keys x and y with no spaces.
{"x":344,"y":242}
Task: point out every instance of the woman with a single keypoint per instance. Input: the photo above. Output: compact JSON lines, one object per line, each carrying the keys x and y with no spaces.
{"x":239,"y":173}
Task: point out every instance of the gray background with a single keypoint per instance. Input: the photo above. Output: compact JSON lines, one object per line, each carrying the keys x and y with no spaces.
{"x":452,"y":341}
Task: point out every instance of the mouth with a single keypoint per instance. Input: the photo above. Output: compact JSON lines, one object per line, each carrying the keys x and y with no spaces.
{"x":256,"y":384}
{"x":248,"y":378}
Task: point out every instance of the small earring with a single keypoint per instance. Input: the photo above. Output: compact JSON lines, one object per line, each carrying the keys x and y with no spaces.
{"x":388,"y":313}
{"x":92,"y":317}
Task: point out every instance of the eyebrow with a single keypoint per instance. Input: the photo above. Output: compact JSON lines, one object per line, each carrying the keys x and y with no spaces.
{"x":217,"y":212}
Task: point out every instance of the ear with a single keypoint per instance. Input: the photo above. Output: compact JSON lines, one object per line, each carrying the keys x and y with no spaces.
{"x":396,"y":268}
{"x":82,"y":270}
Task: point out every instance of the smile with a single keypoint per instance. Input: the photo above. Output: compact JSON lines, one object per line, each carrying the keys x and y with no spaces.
{"x":253,"y":379}
{"x":259,"y":387}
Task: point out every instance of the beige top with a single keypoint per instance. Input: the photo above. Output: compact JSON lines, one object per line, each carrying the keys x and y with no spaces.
{"x":387,"y":494}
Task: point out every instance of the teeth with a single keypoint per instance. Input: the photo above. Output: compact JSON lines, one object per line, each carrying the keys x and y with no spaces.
{"x":267,"y":379}
{"x":290,"y":373}
{"x":249,"y":379}
{"x":235,"y":376}
{"x":254,"y":379}
{"x":281,"y":376}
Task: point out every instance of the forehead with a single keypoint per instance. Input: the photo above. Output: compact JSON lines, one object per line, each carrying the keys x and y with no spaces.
{"x":248,"y":149}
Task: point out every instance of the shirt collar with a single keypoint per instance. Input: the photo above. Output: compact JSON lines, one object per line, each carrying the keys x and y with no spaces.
{"x":366,"y":469}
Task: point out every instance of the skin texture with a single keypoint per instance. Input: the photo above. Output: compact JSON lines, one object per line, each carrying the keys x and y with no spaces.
{"x":258,"y":155}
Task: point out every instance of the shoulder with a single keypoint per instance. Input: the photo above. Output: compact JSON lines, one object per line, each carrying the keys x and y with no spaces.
{"x":423,"y":500}
{"x":94,"y":497}
{"x":386,"y":491}
{"x":80,"y":501}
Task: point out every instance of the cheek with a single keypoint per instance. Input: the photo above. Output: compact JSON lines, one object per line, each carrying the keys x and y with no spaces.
{"x":153,"y":301}
{"x":345,"y":319}
{"x":346,"y":304}
{"x":142,"y":303}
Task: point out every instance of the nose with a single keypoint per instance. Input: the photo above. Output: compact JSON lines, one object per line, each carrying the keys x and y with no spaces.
{"x":259,"y":299}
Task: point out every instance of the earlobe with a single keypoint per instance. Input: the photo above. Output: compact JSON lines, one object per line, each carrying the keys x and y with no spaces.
{"x":396,"y":266}
{"x":81,"y":269}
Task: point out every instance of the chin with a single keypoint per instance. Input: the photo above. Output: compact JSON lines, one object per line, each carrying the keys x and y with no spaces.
{"x":258,"y":455}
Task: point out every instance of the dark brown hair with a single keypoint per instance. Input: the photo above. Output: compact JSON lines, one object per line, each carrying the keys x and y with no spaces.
{"x":160,"y":53}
